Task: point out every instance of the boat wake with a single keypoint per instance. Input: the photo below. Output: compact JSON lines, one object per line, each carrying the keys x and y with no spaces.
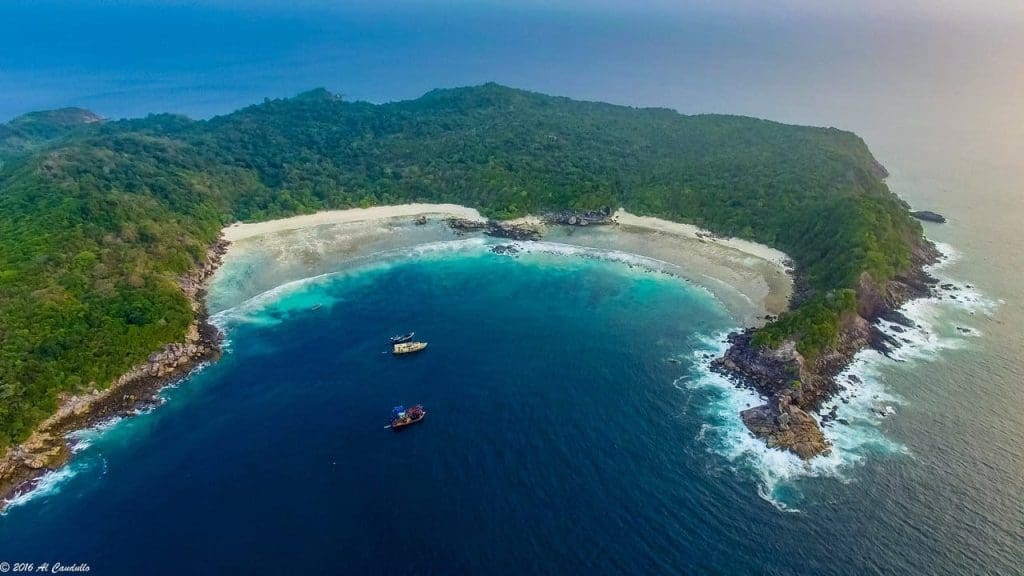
{"x":855,"y":432}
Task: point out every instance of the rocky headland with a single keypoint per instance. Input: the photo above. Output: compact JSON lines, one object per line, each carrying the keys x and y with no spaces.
{"x":795,"y":387}
{"x":48,"y":448}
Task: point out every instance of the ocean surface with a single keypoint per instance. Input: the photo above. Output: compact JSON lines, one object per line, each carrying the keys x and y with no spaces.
{"x":560,"y":434}
{"x":572,"y":424}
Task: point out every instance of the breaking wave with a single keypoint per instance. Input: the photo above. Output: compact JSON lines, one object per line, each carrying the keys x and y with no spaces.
{"x":48,"y":484}
{"x":863,"y":403}
{"x":290,"y":297}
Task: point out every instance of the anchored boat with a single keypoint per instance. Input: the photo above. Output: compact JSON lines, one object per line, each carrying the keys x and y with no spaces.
{"x":401,"y":417}
{"x":408,"y":347}
{"x":402,"y":338}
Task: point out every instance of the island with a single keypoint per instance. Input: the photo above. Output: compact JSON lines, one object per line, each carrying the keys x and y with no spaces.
{"x":109,"y":230}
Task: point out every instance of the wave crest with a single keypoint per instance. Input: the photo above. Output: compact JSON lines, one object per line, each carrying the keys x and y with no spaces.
{"x":861,"y":406}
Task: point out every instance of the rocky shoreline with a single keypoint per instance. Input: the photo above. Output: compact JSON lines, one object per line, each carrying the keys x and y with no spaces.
{"x":529,"y":230}
{"x":794,"y":387}
{"x":48,"y":448}
{"x":496,"y":228}
{"x":784,"y":421}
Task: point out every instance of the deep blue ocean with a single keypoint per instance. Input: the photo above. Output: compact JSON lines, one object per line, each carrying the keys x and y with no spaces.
{"x":567,"y":431}
{"x":560,"y":436}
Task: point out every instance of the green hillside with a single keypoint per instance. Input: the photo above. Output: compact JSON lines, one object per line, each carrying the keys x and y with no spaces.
{"x":98,"y":220}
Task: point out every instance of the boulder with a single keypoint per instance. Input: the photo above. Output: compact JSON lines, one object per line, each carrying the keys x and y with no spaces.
{"x":929,"y":216}
{"x":783,"y":425}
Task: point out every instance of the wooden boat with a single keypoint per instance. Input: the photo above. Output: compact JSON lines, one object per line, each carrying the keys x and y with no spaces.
{"x":401,"y":417}
{"x":316,"y":307}
{"x":402,"y":338}
{"x":408,"y":347}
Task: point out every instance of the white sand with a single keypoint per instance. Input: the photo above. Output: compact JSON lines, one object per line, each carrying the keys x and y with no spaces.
{"x":690,"y":231}
{"x":750,"y":279}
{"x":239,"y":231}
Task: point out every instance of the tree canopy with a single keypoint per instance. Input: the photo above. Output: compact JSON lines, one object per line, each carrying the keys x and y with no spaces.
{"x":98,"y":220}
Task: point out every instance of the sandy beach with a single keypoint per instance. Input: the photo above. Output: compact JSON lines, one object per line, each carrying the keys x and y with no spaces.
{"x":749,"y":279}
{"x":240,"y":231}
{"x":690,"y":231}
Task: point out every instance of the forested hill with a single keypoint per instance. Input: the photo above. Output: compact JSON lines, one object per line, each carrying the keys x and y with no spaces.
{"x":99,"y":219}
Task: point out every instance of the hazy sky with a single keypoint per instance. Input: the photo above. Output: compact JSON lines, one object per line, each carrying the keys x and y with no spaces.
{"x":936,"y":87}
{"x":791,"y":59}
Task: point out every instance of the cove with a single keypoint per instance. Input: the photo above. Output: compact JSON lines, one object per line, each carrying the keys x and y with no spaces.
{"x":573,"y":425}
{"x":554,"y":429}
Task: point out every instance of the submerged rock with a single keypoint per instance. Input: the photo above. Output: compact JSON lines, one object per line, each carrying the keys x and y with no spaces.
{"x":506,"y":249}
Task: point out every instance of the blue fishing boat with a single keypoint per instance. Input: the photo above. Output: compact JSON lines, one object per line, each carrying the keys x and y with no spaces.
{"x":401,"y":416}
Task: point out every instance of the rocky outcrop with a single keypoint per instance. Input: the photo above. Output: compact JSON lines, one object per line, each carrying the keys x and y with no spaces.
{"x":879,"y":170}
{"x":48,"y":446}
{"x":796,"y":388}
{"x":506,"y":249}
{"x":929,"y":216}
{"x":782,"y":424}
{"x":497,"y":229}
{"x":579,"y":218}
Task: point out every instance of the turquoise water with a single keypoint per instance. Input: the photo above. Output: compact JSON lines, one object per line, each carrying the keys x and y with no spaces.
{"x":935,"y":487}
{"x":572,"y":425}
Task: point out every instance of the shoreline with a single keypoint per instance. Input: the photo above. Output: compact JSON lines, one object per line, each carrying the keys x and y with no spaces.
{"x":750,"y":280}
{"x":754,"y":249}
{"x":794,"y":388}
{"x":240,"y":231}
{"x":49,"y":447}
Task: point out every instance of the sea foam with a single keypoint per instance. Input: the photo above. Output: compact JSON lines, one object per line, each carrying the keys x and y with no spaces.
{"x":48,"y":484}
{"x":861,"y":406}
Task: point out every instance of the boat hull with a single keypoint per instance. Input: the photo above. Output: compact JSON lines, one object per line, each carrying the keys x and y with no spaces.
{"x":408,"y":348}
{"x":414,"y":415}
{"x":399,"y":424}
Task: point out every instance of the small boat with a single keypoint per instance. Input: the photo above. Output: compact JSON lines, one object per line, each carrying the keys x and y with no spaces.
{"x":402,"y":338}
{"x":316,"y":307}
{"x":401,"y":417}
{"x":408,"y":347}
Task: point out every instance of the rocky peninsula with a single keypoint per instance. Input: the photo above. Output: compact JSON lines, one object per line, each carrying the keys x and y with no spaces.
{"x":794,"y":386}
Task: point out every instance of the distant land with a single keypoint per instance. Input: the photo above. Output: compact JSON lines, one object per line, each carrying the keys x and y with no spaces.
{"x":108,"y":229}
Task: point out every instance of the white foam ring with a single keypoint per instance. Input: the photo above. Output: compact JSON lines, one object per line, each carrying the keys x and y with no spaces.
{"x":862,"y":405}
{"x":249,"y":311}
{"x":645,"y":263}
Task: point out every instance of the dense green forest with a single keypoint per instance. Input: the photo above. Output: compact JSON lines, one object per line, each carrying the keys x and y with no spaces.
{"x":98,"y":220}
